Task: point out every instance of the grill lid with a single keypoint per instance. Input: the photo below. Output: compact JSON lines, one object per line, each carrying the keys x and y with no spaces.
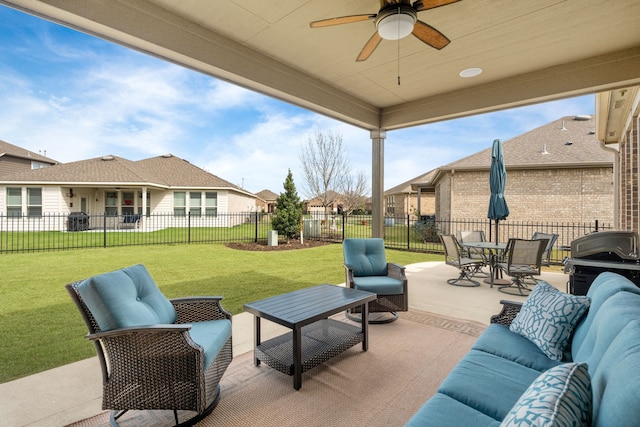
{"x":603,"y":244}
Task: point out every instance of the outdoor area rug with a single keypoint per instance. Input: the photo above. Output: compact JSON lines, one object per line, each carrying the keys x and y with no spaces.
{"x":384,"y":386}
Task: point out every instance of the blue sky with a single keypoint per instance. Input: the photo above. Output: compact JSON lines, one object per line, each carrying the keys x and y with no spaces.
{"x":76,"y":97}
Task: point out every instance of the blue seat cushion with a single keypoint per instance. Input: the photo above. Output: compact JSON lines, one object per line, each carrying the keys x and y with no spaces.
{"x":499,"y":340}
{"x":211,"y":336}
{"x":438,"y":411}
{"x":381,"y":285}
{"x":126,"y":298}
{"x":488,"y":383}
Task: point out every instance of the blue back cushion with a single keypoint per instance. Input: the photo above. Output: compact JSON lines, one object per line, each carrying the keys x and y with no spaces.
{"x":608,"y":340}
{"x":126,"y":298}
{"x":365,"y":256}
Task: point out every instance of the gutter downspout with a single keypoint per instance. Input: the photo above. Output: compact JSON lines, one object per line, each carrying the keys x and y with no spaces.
{"x":616,"y":183}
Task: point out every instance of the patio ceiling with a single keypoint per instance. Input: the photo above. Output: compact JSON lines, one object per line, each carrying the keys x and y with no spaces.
{"x":529,"y":51}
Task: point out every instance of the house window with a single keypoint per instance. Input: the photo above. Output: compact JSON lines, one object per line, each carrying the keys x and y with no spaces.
{"x":111,"y":203}
{"x":39,"y":165}
{"x":34,"y":202}
{"x":180,"y":203}
{"x":14,"y":202}
{"x":195,"y":203}
{"x":127,"y":202}
{"x":211,"y":204}
{"x":391,"y":209}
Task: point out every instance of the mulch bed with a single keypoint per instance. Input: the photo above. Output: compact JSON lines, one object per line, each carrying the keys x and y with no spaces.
{"x":282,"y":246}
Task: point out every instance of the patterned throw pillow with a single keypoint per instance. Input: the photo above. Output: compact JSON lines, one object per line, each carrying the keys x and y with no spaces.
{"x":559,"y":397}
{"x":547,"y":318}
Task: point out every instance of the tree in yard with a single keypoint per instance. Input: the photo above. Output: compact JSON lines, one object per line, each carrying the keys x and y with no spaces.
{"x":288,"y":211}
{"x":354,"y":192}
{"x":325,"y":166}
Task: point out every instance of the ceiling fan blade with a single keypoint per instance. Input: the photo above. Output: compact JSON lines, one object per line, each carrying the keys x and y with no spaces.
{"x":341,"y":20}
{"x":368,"y":48}
{"x":430,"y":35}
{"x":431,"y":4}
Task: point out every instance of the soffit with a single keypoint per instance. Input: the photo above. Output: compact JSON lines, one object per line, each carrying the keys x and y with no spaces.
{"x":530,"y":51}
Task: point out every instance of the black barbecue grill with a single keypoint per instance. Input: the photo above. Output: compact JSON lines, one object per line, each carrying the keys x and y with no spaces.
{"x":615,"y":251}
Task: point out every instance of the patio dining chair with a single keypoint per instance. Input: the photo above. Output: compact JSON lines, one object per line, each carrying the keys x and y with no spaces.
{"x":474,"y":253}
{"x":155,"y":353}
{"x":367,"y":269}
{"x":551,"y":237}
{"x":454,"y":256}
{"x":522,"y":259}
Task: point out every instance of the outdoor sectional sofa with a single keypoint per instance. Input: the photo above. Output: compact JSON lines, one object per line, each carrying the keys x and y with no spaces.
{"x":556,"y":360}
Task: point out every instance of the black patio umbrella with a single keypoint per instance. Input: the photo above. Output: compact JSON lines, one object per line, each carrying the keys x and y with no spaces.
{"x":498,"y":209}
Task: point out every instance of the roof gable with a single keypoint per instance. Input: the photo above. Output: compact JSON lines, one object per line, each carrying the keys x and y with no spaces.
{"x":177,"y":172}
{"x":7,"y":149}
{"x":165,"y":171}
{"x":267,"y":195}
{"x":567,"y":142}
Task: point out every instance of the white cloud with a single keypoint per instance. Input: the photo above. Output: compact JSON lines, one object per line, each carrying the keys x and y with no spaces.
{"x":78,"y":97}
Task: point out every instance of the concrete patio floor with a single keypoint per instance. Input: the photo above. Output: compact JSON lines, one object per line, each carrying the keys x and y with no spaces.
{"x":73,"y":392}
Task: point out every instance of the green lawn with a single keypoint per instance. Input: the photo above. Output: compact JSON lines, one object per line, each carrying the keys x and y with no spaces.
{"x":40,"y":328}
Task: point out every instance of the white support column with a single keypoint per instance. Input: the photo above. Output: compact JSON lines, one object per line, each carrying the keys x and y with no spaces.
{"x":143,"y":217}
{"x":377,"y":182}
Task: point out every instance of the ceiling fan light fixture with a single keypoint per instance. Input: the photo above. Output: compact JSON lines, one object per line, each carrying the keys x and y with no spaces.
{"x":396,"y":23}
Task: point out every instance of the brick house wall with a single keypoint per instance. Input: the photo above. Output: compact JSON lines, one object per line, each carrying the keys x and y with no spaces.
{"x":552,"y":195}
{"x":628,"y":179}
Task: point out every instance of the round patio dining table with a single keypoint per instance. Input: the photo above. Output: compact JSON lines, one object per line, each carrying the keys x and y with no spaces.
{"x":494,"y":249}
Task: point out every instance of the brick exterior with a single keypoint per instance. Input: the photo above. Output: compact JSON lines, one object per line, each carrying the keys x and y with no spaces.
{"x":628,"y":179}
{"x":551,"y":195}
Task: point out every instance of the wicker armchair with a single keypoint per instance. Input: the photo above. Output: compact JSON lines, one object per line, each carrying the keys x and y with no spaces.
{"x":155,"y":353}
{"x":366,"y":268}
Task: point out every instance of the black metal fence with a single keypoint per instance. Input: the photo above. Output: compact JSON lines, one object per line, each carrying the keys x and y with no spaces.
{"x":75,"y":231}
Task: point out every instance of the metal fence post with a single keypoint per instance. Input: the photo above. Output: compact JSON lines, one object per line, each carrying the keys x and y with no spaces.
{"x":255,"y":239}
{"x":408,"y":231}
{"x":189,"y":227}
{"x":104,"y":230}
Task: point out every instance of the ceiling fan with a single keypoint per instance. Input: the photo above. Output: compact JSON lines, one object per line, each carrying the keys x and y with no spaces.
{"x":395,"y":20}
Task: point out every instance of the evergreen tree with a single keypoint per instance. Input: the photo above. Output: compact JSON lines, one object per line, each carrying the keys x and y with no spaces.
{"x":288,"y":211}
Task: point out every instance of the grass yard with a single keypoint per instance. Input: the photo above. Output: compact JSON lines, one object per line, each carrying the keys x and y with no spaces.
{"x":40,"y":327}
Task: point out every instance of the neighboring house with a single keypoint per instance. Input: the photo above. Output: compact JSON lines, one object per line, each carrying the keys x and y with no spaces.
{"x":116,"y":186}
{"x":266,"y":201}
{"x":16,"y":159}
{"x":315,"y":205}
{"x":618,"y":125}
{"x":402,"y":200}
{"x":555,"y":173}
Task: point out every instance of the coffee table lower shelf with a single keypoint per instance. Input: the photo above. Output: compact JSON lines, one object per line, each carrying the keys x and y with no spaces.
{"x":321,"y":341}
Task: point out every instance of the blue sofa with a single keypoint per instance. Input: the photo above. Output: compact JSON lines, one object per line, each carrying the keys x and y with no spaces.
{"x":500,"y":380}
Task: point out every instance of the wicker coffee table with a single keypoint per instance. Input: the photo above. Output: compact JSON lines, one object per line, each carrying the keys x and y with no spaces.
{"x":314,"y":338}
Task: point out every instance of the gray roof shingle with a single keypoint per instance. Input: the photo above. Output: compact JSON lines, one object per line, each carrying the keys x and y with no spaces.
{"x":567,"y":142}
{"x":162,"y":171}
{"x":7,"y":149}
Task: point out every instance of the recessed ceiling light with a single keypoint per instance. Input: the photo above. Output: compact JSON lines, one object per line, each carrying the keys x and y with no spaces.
{"x":470,"y":72}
